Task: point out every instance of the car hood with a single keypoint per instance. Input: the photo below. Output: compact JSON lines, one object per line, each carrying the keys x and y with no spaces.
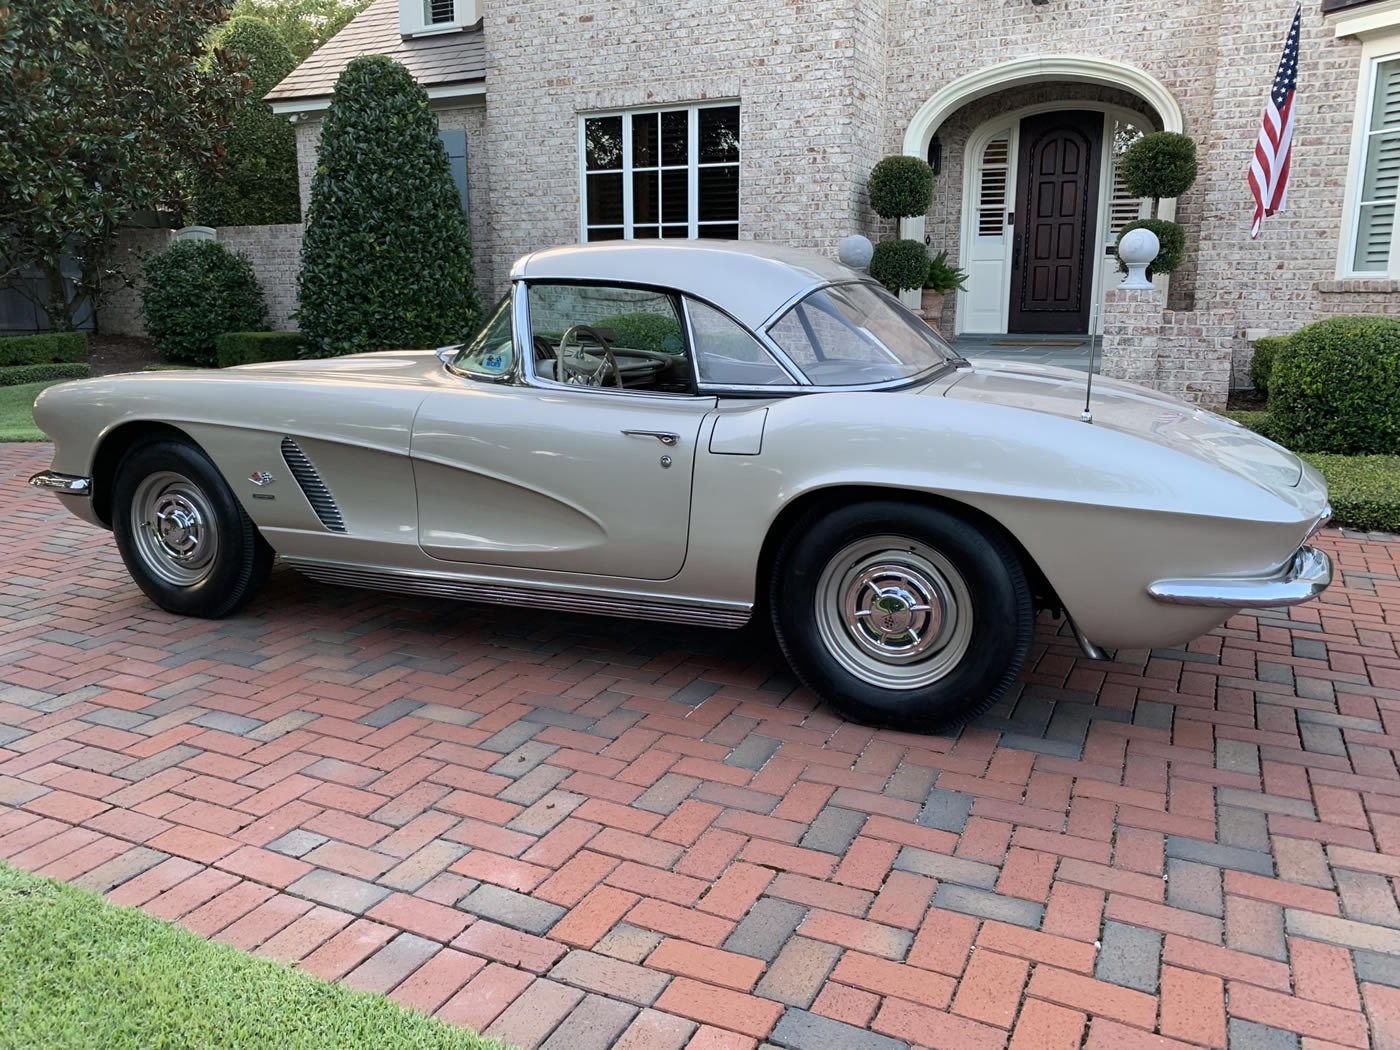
{"x":391,"y":366}
{"x":1134,"y":410}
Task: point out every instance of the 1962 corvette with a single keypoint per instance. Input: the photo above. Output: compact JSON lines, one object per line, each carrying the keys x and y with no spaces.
{"x":687,"y":432}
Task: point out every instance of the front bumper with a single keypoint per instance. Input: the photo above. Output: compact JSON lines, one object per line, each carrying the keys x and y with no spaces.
{"x":62,"y":484}
{"x":1306,"y":575}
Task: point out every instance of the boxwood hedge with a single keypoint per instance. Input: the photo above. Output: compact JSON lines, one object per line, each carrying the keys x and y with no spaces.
{"x":14,"y":375}
{"x":1335,"y":387}
{"x":43,"y":349}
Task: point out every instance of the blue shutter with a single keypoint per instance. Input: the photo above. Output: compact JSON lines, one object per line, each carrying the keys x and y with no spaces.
{"x":455,"y":142}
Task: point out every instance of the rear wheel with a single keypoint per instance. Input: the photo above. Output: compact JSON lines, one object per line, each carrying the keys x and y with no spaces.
{"x":181,"y":532}
{"x":902,"y":615}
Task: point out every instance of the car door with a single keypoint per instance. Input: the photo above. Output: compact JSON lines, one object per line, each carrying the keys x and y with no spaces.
{"x":514,"y":467}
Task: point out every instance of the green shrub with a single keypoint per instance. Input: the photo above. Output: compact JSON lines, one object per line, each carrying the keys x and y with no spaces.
{"x":14,"y":375}
{"x":900,"y":186}
{"x":1258,"y":422}
{"x":1364,"y":490}
{"x":943,"y":277}
{"x":899,"y":264}
{"x":257,"y":180}
{"x":43,"y":349}
{"x":1162,"y":164}
{"x":194,"y":291}
{"x":1261,"y":365}
{"x":1171,"y":238}
{"x":646,"y":331}
{"x":1335,"y":387}
{"x":386,"y":260}
{"x":247,"y":348}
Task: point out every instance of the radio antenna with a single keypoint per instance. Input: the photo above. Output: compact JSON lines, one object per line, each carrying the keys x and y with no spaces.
{"x":1088,"y":414}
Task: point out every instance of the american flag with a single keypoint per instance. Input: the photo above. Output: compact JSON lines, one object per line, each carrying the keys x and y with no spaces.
{"x":1268,"y":175}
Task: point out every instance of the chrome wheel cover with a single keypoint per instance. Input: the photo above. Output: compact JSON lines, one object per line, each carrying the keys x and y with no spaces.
{"x":894,"y":612}
{"x":173,"y":528}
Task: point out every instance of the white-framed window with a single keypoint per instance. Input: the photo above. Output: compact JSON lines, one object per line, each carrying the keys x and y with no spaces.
{"x":1370,"y":242}
{"x":670,"y":172}
{"x":422,"y":17}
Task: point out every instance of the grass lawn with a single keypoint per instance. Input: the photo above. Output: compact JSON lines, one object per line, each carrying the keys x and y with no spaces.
{"x":16,"y":412}
{"x":77,"y":973}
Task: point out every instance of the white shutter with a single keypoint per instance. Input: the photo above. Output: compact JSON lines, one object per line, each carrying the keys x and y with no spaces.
{"x":1123,"y":207}
{"x":991,"y":200}
{"x":1380,"y":173}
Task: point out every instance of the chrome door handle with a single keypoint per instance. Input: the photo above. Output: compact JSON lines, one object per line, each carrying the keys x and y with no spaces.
{"x":663,"y":436}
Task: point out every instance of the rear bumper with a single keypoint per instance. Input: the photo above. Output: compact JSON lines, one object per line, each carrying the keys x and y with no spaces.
{"x":1306,"y":575}
{"x":62,"y":484}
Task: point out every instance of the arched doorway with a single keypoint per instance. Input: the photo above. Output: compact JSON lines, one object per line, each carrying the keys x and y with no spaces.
{"x":1042,"y":204}
{"x":1034,"y":243}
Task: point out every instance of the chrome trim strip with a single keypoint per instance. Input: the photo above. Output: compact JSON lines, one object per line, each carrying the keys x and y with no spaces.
{"x":62,"y":484}
{"x":413,"y":581}
{"x":1323,"y":520}
{"x":1306,"y":575}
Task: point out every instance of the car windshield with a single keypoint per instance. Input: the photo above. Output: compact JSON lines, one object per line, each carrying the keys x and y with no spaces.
{"x":858,"y":334}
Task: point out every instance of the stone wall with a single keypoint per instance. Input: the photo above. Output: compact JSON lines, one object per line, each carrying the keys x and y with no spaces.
{"x":120,"y":314}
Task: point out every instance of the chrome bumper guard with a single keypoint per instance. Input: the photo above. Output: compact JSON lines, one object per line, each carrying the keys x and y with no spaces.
{"x":62,"y":484}
{"x":1305,"y":576}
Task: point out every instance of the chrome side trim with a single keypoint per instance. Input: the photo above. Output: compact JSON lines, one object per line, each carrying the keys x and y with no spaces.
{"x":413,"y":581}
{"x":63,"y":484}
{"x":1306,"y":575}
{"x":309,"y":478}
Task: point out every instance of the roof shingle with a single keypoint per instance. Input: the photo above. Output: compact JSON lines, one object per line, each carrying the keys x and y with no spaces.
{"x":444,"y":58}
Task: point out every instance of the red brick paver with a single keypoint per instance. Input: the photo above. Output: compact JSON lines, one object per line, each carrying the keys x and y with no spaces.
{"x":603,"y":833}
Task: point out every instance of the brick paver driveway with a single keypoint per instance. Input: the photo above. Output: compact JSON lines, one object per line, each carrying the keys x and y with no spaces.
{"x":577,"y":832}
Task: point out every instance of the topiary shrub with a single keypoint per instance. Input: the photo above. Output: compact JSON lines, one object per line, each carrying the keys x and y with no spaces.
{"x":195,"y":291}
{"x":1162,"y":164}
{"x":1170,"y":237}
{"x":386,"y":261}
{"x":1335,"y":387}
{"x":899,"y":264}
{"x":257,"y":181}
{"x":645,"y":331}
{"x":247,"y":348}
{"x":900,"y":186}
{"x":1261,"y":364}
{"x":14,"y":375}
{"x":46,"y":348}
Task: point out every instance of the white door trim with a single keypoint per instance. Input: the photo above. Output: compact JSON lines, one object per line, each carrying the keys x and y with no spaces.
{"x":1010,"y":124}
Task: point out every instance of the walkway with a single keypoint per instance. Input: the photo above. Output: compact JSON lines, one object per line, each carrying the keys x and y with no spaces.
{"x":579,"y":833}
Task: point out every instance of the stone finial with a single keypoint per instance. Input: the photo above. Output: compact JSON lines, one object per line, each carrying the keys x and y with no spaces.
{"x":855,"y":251}
{"x":1137,"y":248}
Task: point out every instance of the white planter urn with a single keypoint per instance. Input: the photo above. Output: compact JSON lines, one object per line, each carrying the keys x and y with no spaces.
{"x":1137,"y":248}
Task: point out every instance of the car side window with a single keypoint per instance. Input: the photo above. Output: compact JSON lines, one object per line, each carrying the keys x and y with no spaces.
{"x":727,"y":354}
{"x":612,"y":338}
{"x":490,"y":354}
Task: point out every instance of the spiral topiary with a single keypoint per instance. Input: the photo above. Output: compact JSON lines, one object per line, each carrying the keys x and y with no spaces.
{"x":1162,"y":164}
{"x":1170,"y":236}
{"x":900,"y":186}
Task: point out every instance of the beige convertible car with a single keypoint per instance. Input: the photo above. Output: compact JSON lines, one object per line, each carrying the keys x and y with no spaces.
{"x":690,"y":432}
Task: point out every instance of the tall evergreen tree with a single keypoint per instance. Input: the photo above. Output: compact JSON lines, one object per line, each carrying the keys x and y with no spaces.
{"x":387,"y":258}
{"x":257,"y":181}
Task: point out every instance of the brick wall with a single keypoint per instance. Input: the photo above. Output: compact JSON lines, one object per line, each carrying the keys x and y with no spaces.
{"x":1185,"y":353}
{"x":274,"y":252}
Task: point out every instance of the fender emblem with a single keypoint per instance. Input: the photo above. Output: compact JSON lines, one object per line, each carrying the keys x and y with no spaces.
{"x":260,"y":478}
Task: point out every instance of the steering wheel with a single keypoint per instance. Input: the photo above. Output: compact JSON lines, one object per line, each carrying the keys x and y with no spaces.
{"x":572,"y":370}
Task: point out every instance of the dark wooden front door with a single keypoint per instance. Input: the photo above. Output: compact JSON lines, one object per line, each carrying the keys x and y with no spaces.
{"x":1057,"y":192}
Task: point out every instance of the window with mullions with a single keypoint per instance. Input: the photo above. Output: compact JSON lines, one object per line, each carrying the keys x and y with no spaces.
{"x":661,"y":173}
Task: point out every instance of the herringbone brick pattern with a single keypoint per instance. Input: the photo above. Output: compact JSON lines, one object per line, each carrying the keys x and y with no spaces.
{"x":581,"y":833}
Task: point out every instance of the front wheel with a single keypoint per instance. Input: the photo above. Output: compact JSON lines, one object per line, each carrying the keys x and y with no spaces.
{"x":183,"y":535}
{"x":902,"y":615}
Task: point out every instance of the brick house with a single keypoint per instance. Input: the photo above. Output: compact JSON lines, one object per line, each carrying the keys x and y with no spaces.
{"x":761,"y":120}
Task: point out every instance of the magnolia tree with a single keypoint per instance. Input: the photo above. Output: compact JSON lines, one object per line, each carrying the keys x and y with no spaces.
{"x":106,"y":102}
{"x":304,"y":24}
{"x":387,"y":259}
